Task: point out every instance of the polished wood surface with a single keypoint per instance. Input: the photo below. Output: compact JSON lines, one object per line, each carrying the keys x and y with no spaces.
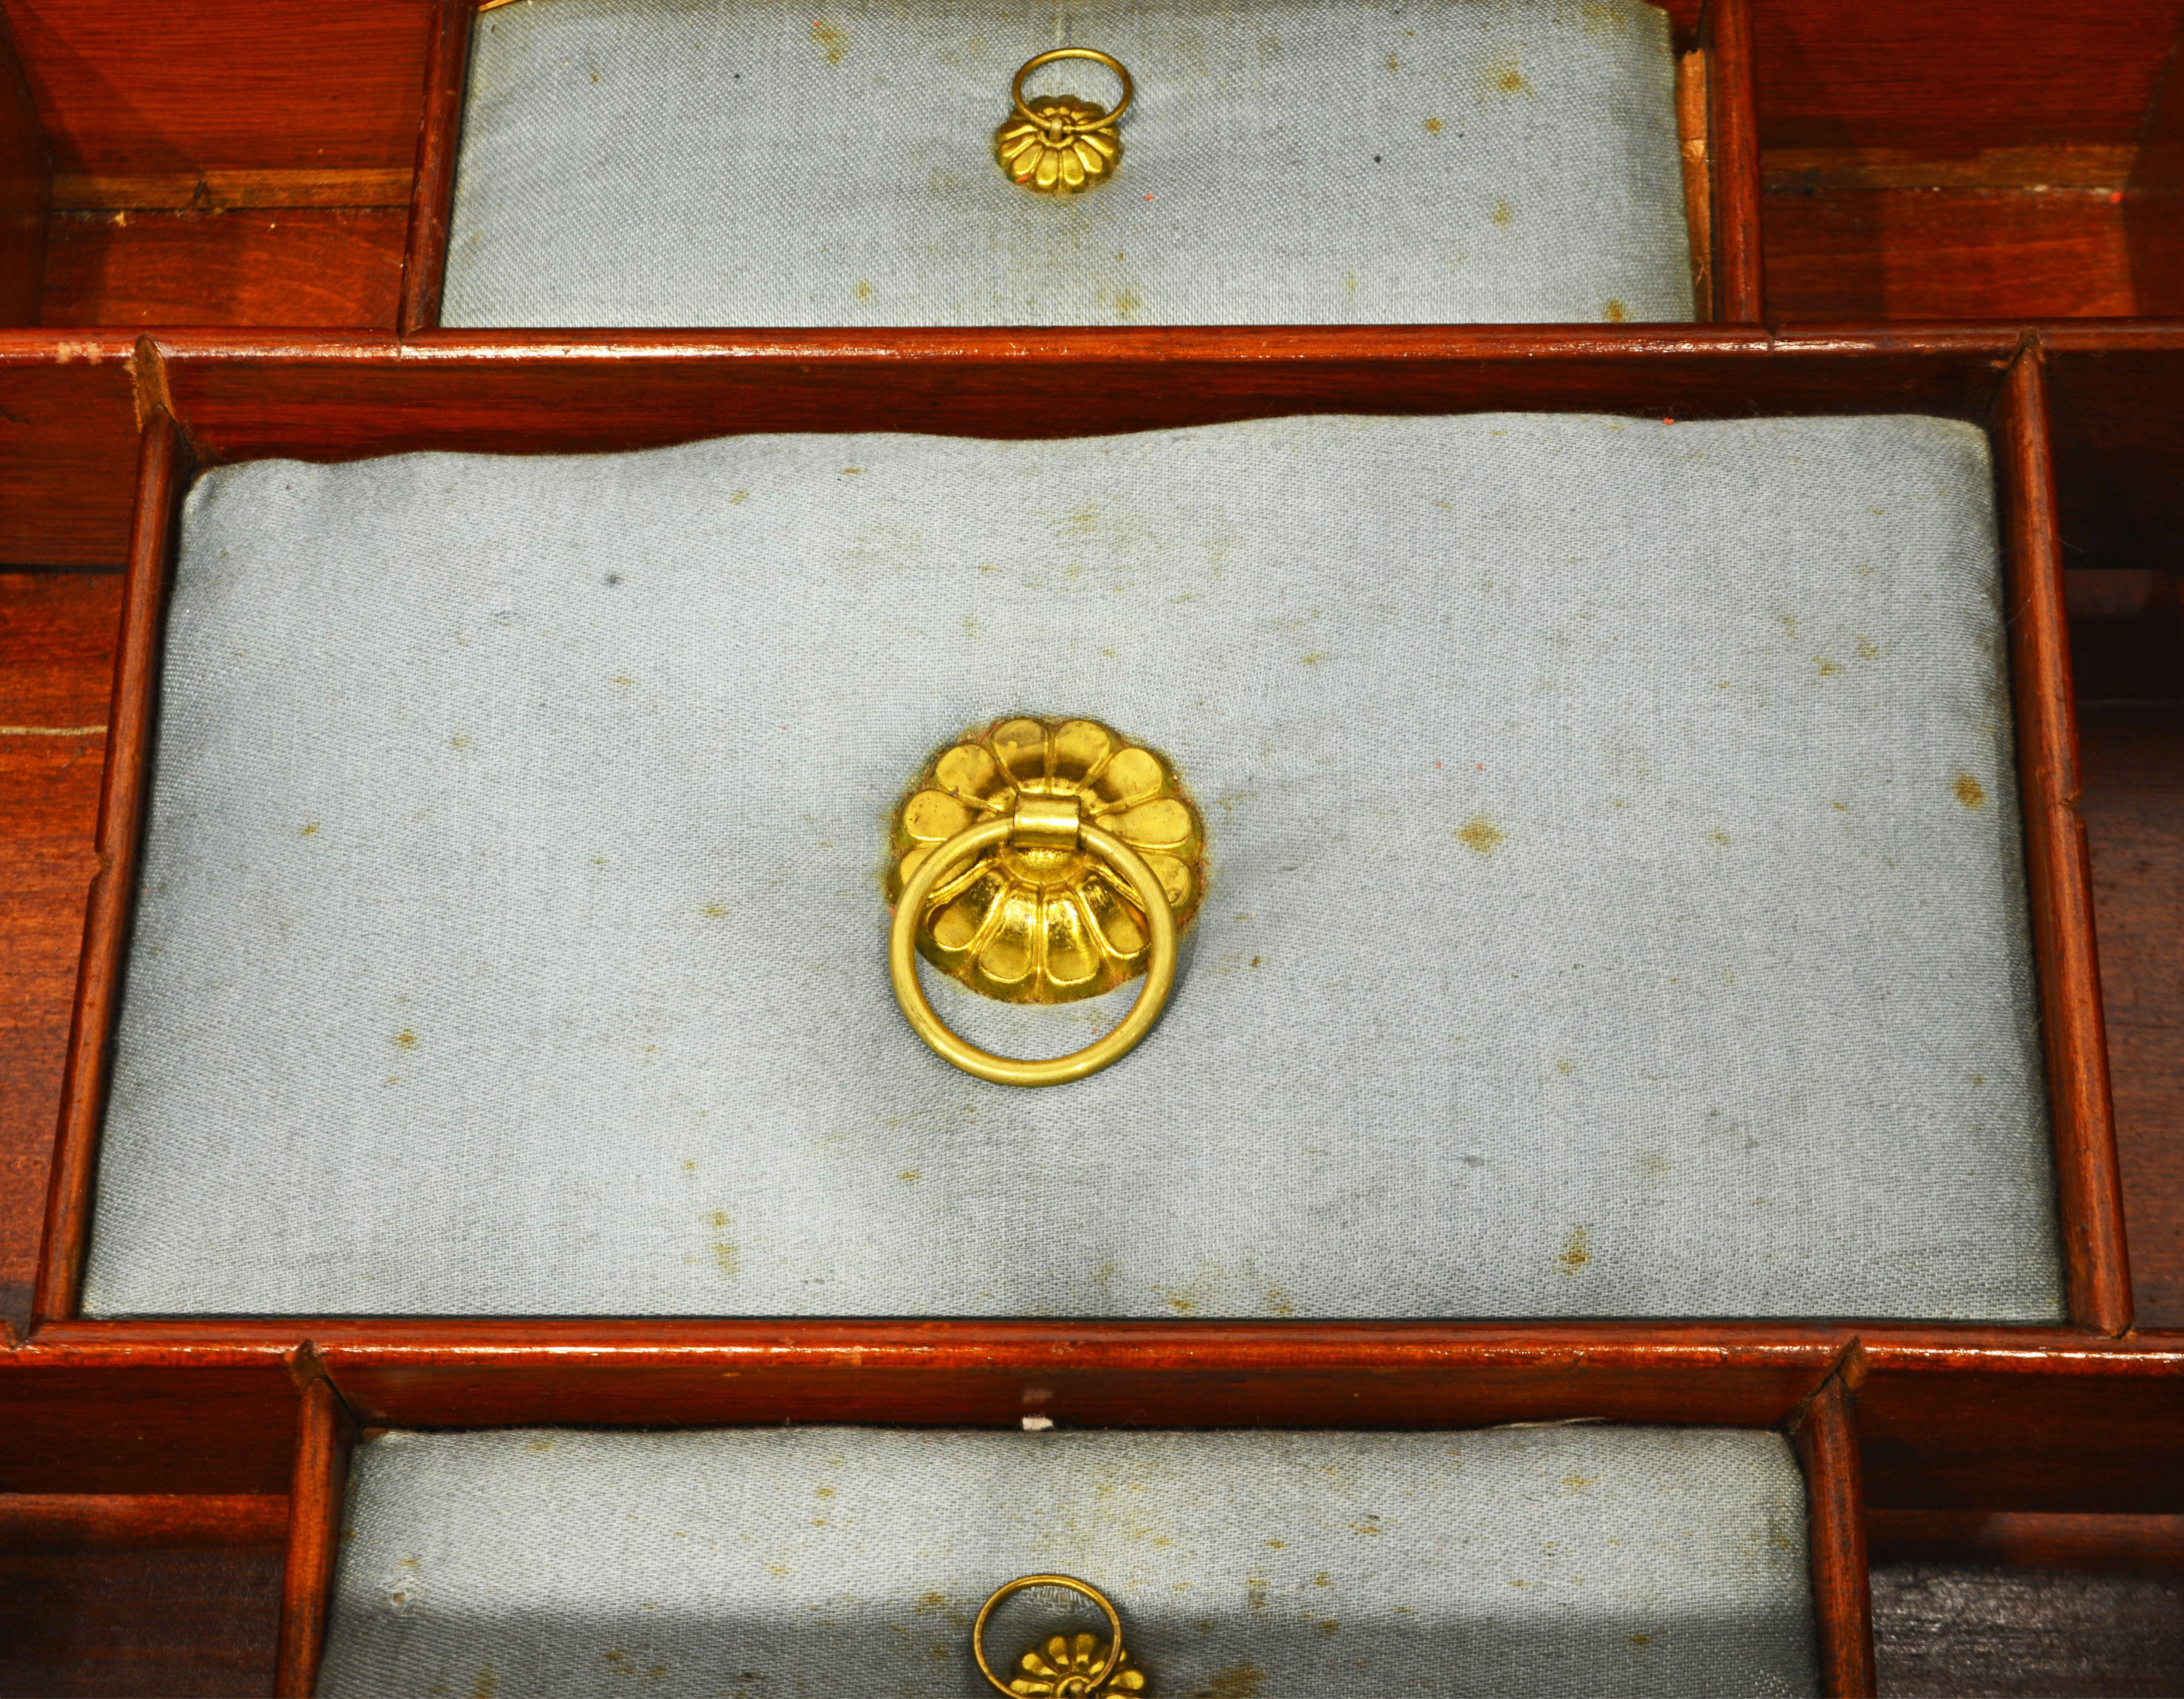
{"x":299,"y":265}
{"x":2058,"y":864}
{"x":2125,"y":1544}
{"x":25,"y":192}
{"x":1733,"y":143}
{"x":2134,"y":811}
{"x":432,"y":193}
{"x":324,"y":1434}
{"x":85,"y":1521}
{"x":1950,"y":208}
{"x":163,"y":476}
{"x":1835,"y":1486}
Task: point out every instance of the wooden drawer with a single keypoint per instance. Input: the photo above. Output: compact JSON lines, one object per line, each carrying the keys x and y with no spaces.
{"x":1905,"y":210}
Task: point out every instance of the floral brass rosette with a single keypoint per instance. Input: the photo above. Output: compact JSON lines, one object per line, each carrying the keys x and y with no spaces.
{"x":1064,"y":145}
{"x":1030,"y":924}
{"x":1063,"y":1668}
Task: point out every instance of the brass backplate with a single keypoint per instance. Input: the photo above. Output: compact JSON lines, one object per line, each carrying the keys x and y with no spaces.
{"x":1033,"y":923}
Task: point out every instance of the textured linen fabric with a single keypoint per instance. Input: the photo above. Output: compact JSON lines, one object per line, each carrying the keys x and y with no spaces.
{"x":1615,"y":897}
{"x":825,"y":1562}
{"x":753,"y":162}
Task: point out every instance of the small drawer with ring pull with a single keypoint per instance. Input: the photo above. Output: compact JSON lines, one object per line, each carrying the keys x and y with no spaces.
{"x":1065,"y":1565}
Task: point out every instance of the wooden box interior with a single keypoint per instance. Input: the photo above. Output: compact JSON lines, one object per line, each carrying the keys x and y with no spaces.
{"x":1952,"y":208}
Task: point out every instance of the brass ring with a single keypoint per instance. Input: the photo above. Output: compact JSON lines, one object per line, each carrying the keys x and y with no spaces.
{"x":1114,"y":65}
{"x":1086,"y":1588}
{"x":1008,"y":1070}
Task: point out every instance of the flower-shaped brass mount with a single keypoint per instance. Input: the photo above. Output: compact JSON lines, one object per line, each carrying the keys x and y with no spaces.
{"x":1041,"y":861}
{"x":1079,"y":1667}
{"x":1059,"y":144}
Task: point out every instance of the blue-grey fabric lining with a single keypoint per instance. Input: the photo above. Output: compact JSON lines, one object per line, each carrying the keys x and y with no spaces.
{"x":681,"y":163}
{"x":815,"y":1562}
{"x":1616,"y":904}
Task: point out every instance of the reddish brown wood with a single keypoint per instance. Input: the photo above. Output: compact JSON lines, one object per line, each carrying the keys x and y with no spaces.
{"x":73,"y":1522}
{"x":170,"y":1621}
{"x":2008,"y":1418}
{"x":1691,"y":118}
{"x":2114,"y":394}
{"x":1951,"y":77}
{"x":2058,"y":873}
{"x":57,"y":637}
{"x":315,"y":1498}
{"x":2154,"y":208}
{"x":2043,"y":1424}
{"x":432,"y":193}
{"x":1842,"y":1602}
{"x":2118,"y":1544}
{"x":163,"y":476}
{"x":307,"y":265}
{"x":26,"y":181}
{"x":1733,"y":139}
{"x":1936,"y":253}
{"x":130,"y":87}
{"x":67,"y":446}
{"x":138,"y":1423}
{"x":335,"y":398}
{"x":2134,"y":812}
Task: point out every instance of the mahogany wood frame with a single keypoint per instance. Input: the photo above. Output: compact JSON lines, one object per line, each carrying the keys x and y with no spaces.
{"x":210,"y":398}
{"x":1718,"y":132}
{"x":324,"y":1430}
{"x":324,"y":1434}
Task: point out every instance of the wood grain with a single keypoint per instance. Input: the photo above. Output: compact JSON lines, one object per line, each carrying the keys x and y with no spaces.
{"x":68,"y":448}
{"x":2114,"y":393}
{"x":1982,"y":1631}
{"x":221,"y":191}
{"x":1915,"y":254}
{"x":163,"y":476}
{"x":79,"y":1522}
{"x":2114,"y":1544}
{"x":25,"y":192}
{"x":130,"y":88}
{"x":1733,"y":140}
{"x":2154,"y":208}
{"x":2133,"y":807}
{"x":170,"y":1622}
{"x":1955,"y":77}
{"x":56,"y":639}
{"x":1691,"y":121}
{"x":327,"y":397}
{"x":1835,"y":1490}
{"x":2038,"y":1424}
{"x":316,"y":1498}
{"x":2058,"y":873}
{"x":97,"y":1422}
{"x":432,"y":191}
{"x":283,"y":266}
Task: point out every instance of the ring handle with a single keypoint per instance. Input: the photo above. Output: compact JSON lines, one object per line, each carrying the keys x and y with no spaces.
{"x":1114,"y":65}
{"x":1009,"y":1071}
{"x":1094,"y":1678}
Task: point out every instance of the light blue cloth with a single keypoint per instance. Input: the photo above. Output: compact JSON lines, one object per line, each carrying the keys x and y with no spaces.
{"x":756,"y":162}
{"x":810,"y":1563}
{"x":1615,"y":904}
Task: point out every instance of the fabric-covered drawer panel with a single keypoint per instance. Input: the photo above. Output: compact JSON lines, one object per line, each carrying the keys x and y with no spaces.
{"x":1615,"y":897}
{"x":749,"y":162}
{"x":839,"y":1560}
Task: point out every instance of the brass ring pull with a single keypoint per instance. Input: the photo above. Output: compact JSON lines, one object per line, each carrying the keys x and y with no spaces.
{"x":1114,"y":65}
{"x":1060,"y":143}
{"x":1049,"y":822}
{"x":1064,"y":1670}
